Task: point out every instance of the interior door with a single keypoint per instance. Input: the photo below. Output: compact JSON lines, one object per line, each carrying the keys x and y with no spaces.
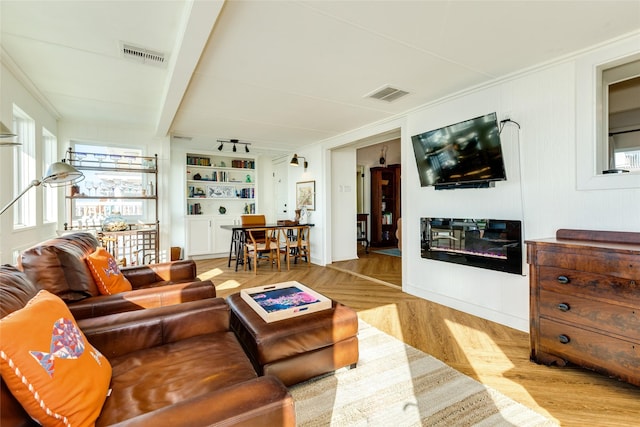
{"x":280,"y":183}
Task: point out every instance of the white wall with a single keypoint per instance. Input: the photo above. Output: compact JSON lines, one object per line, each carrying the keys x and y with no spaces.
{"x":546,"y":199}
{"x":316,"y":163}
{"x":541,"y":188}
{"x":369,"y":156}
{"x":343,"y":196}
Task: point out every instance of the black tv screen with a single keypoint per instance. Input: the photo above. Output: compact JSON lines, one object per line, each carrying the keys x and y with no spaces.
{"x":466,"y":152}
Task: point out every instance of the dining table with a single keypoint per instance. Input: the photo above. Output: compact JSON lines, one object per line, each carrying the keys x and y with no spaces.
{"x":239,"y":237}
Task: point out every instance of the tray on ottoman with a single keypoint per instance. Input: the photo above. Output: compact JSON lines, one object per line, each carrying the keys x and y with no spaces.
{"x":284,"y":300}
{"x":298,"y":348}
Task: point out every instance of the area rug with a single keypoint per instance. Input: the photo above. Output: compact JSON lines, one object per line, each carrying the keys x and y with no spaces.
{"x":397,"y":385}
{"x":392,"y":252}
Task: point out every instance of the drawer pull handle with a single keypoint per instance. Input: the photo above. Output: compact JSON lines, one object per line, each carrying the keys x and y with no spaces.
{"x":563,"y":306}
{"x":563,"y":339}
{"x":563,"y":279}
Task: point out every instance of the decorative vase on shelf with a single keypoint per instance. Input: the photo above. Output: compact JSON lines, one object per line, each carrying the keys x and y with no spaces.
{"x":114,"y":222}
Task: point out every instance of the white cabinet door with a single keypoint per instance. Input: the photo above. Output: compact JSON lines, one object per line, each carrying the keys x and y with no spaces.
{"x":199,"y":235}
{"x":222,"y":237}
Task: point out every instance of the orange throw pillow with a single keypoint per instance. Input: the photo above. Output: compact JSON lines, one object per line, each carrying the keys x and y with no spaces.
{"x":106,"y":273}
{"x":51,"y":369}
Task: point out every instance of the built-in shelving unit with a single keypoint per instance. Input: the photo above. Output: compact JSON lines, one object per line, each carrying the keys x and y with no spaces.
{"x":219,"y":189}
{"x":220,"y":185}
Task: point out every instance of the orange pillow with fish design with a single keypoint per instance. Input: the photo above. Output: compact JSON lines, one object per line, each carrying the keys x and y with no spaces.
{"x":52,"y":370}
{"x":106,"y":273}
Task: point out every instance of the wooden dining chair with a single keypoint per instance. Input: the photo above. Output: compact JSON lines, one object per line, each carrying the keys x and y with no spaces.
{"x":253,"y":219}
{"x":261,"y":241}
{"x":294,"y":243}
{"x":250,"y":220}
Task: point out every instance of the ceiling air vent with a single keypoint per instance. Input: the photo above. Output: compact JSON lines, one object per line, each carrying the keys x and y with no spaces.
{"x":183,"y":138}
{"x":387,"y":93}
{"x":142,"y":55}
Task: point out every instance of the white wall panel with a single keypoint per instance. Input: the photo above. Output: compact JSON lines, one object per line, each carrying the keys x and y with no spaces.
{"x":543,"y":154}
{"x":343,"y":195}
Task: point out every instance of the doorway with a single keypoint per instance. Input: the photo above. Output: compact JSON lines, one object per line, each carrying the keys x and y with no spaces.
{"x":345,"y":204}
{"x":280,"y":184}
{"x":379,"y":158}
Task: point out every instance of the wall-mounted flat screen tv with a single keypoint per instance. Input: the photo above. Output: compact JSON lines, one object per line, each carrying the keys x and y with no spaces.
{"x":468,"y":153}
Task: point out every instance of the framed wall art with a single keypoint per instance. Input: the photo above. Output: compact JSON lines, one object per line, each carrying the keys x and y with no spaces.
{"x":306,"y":195}
{"x":221,"y":191}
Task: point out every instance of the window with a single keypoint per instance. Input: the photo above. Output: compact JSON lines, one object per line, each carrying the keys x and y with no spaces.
{"x":607,"y":140}
{"x":105,"y":191}
{"x":49,"y":194}
{"x":24,"y":210}
{"x":627,"y":160}
{"x":622,"y":89}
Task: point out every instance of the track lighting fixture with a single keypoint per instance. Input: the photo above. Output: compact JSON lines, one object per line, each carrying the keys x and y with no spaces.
{"x":294,"y":161}
{"x":235,"y":142}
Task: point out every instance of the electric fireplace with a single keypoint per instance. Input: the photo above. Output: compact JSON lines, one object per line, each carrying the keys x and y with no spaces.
{"x":494,"y":244}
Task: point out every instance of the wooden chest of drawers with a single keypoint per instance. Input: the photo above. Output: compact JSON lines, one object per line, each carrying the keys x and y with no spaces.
{"x":585,"y":301}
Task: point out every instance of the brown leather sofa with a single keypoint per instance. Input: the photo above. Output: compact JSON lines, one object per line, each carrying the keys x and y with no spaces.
{"x":58,"y":265}
{"x":176,"y":365}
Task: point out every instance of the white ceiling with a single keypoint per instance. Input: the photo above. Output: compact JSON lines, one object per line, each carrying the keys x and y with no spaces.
{"x":282,"y":74}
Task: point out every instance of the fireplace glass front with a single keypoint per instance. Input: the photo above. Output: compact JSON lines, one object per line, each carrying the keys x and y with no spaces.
{"x":486,"y":243}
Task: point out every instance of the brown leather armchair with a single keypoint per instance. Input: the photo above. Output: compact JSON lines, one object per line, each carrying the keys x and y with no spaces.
{"x":176,"y":365}
{"x":58,"y":265}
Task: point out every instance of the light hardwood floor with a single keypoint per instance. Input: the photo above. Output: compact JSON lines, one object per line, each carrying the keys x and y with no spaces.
{"x":493,"y":354}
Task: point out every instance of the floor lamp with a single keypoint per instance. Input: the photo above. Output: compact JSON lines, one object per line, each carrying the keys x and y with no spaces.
{"x":59,"y":173}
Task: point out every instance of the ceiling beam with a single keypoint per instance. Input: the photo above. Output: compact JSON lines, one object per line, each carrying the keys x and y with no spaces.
{"x":199,"y":19}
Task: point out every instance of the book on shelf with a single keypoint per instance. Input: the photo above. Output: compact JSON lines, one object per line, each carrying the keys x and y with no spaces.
{"x":198,"y":161}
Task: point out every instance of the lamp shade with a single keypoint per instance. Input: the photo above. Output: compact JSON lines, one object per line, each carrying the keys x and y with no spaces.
{"x":60,"y":173}
{"x":5,"y":132}
{"x":295,"y":161}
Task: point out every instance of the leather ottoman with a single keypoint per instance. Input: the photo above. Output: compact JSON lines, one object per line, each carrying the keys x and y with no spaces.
{"x":298,"y":348}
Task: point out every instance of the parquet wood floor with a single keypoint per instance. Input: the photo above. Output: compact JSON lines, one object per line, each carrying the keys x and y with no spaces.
{"x":493,"y":354}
